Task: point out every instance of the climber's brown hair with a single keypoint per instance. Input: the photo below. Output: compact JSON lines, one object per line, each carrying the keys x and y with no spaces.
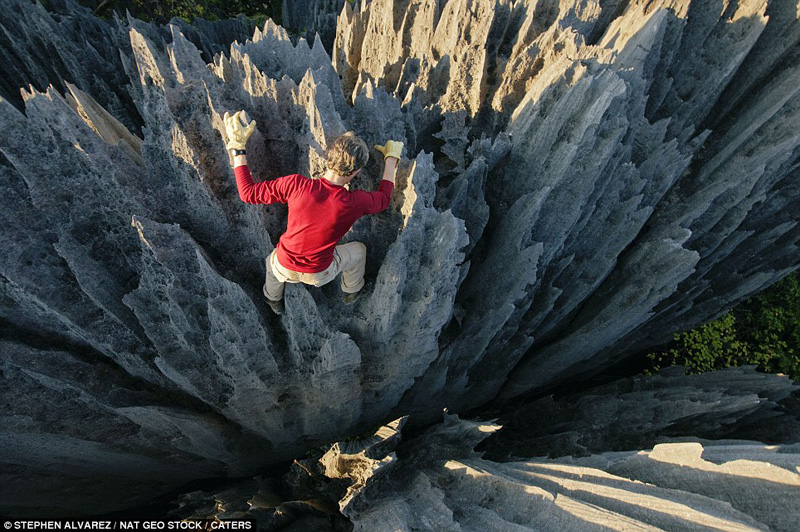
{"x":347,"y":154}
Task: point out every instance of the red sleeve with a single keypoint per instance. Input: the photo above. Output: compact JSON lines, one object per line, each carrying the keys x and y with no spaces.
{"x":373,"y":202}
{"x":277,"y":190}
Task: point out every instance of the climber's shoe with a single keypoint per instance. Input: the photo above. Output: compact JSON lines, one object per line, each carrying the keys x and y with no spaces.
{"x":349,"y":299}
{"x":276,"y":306}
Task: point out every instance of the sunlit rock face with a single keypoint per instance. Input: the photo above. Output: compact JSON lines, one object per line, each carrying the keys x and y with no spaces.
{"x":437,"y":481}
{"x":444,"y":485}
{"x":665,"y":452}
{"x":581,"y":180}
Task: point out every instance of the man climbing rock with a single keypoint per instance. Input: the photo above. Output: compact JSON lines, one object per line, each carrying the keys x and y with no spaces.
{"x":321,"y":211}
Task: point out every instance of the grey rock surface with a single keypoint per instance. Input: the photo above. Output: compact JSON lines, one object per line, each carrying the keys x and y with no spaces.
{"x":582,"y":179}
{"x":312,"y":19}
{"x":644,"y":411}
{"x":664,"y":452}
{"x":435,"y":480}
{"x":443,"y":485}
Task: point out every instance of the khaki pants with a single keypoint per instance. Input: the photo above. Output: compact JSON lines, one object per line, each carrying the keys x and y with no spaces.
{"x":348,"y":259}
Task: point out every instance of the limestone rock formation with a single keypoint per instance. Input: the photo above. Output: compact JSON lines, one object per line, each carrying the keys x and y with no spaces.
{"x":436,"y":481}
{"x":642,"y":412}
{"x":445,"y":486}
{"x":312,"y":19}
{"x":667,"y":452}
{"x":582,"y":179}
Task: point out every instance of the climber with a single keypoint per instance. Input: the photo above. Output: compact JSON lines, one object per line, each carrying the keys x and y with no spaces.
{"x":321,"y":211}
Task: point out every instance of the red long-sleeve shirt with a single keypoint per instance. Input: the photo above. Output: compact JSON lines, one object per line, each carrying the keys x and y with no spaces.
{"x":320,"y":213}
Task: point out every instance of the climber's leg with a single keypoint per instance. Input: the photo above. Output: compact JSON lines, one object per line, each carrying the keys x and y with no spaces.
{"x":275,"y":280}
{"x":348,"y":259}
{"x":352,"y":260}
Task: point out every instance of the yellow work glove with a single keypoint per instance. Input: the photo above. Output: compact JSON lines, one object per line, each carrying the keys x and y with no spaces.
{"x":392,"y":148}
{"x":238,"y":128}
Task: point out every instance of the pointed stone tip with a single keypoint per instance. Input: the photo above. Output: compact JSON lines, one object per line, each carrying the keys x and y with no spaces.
{"x":347,"y":11}
{"x":137,"y":224}
{"x":176,"y":33}
{"x":275,"y":30}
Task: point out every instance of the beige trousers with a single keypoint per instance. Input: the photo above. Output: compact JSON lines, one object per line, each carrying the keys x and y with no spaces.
{"x":348,"y":259}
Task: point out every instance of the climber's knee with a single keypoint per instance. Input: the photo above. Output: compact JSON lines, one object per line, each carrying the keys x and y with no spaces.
{"x":359,"y":251}
{"x":353,"y":258}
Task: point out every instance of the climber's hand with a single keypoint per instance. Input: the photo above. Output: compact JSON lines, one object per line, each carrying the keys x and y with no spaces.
{"x":238,"y":128}
{"x":392,"y":148}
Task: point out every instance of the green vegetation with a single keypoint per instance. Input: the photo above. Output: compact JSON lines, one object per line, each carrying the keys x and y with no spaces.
{"x":162,"y":11}
{"x":764,"y":331}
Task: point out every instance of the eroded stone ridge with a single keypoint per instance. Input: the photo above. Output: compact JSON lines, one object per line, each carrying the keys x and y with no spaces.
{"x":653,"y":481}
{"x":689,"y":485}
{"x":582,"y":179}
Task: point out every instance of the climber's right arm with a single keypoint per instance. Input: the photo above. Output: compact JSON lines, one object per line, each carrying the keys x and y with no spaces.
{"x":238,"y":128}
{"x":274,"y":191}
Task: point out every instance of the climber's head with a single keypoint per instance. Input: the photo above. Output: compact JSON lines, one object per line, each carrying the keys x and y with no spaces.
{"x":346,"y":156}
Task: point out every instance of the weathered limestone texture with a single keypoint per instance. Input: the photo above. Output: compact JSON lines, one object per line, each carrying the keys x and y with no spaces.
{"x":436,"y":481}
{"x":641,"y":412}
{"x":309,"y":496}
{"x":582,"y":179}
{"x":634,"y":198}
{"x":443,"y":485}
{"x":312,"y":19}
